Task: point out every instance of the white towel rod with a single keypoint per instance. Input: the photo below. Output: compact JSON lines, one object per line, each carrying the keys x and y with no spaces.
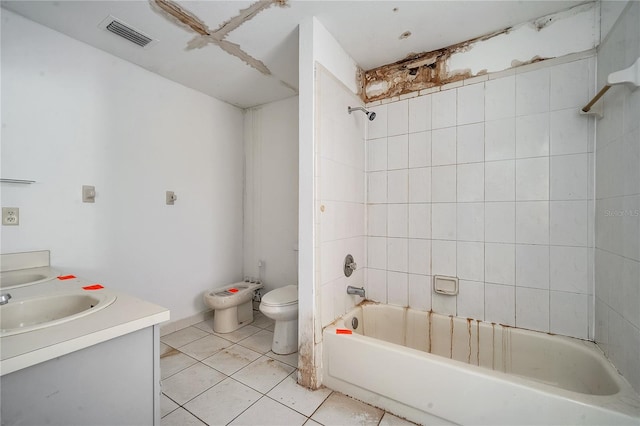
{"x":630,"y":76}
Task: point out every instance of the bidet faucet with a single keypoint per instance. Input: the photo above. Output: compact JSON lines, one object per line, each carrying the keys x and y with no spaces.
{"x":355,"y":290}
{"x":4,"y":298}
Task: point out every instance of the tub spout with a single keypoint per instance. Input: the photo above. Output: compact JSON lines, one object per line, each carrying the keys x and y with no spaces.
{"x":355,"y":290}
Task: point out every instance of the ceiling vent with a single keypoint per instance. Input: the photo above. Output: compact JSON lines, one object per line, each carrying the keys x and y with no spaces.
{"x":119,"y":28}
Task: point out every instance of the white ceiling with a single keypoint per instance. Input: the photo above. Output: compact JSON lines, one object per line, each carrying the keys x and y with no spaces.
{"x":368,"y":30}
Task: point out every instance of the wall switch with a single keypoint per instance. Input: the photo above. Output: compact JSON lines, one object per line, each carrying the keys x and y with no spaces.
{"x":88,"y":194}
{"x":10,"y":216}
{"x":171,"y":198}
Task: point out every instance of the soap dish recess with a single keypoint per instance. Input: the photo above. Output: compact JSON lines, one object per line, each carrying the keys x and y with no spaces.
{"x":445,"y":285}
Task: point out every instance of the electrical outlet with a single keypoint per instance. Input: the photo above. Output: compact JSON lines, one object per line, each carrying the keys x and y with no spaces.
{"x":10,"y":216}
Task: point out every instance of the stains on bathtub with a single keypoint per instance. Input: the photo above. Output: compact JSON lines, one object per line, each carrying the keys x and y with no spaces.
{"x":187,"y":20}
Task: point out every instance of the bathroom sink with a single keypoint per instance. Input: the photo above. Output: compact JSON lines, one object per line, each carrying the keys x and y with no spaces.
{"x":24,"y":277}
{"x":33,"y":313}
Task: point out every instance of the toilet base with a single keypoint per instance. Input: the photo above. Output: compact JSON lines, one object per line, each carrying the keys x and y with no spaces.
{"x":231,"y":319}
{"x":285,"y":337}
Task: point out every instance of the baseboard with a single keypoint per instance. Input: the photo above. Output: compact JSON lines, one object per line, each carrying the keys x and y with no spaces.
{"x":176,"y":325}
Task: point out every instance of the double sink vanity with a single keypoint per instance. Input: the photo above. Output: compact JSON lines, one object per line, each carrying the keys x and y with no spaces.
{"x":73,"y":351}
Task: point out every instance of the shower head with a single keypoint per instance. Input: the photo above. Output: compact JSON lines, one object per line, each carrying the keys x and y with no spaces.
{"x":370,"y":114}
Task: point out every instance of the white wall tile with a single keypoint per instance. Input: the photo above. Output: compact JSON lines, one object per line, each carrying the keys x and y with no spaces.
{"x":397,"y":118}
{"x":470,"y":182}
{"x":443,"y":146}
{"x":420,"y":149}
{"x":398,"y":152}
{"x":443,"y":184}
{"x":377,"y":155}
{"x":532,"y":92}
{"x":397,"y":289}
{"x":500,"y":96}
{"x":532,"y":179}
{"x":443,"y":304}
{"x":569,"y":176}
{"x":470,"y":260}
{"x":420,"y":292}
{"x":532,"y":266}
{"x":443,"y":221}
{"x":397,"y":254}
{"x":532,"y":222}
{"x":532,"y":309}
{"x":500,"y":304}
{"x":532,"y":135}
{"x":376,"y":285}
{"x":443,"y":257}
{"x":569,"y":269}
{"x":568,"y":132}
{"x":570,"y":85}
{"x":419,"y":221}
{"x":568,"y":314}
{"x":499,"y":222}
{"x":443,"y":109}
{"x":378,"y":127}
{"x":470,"y":303}
{"x":397,"y":220}
{"x":470,"y":222}
{"x":377,"y":220}
{"x":500,"y":139}
{"x":470,"y":140}
{"x":568,"y":223}
{"x":419,"y":114}
{"x":377,"y":252}
{"x":397,"y":186}
{"x":499,"y":180}
{"x":377,"y":187}
{"x":500,"y":263}
{"x":420,"y":185}
{"x":470,"y":104}
{"x":419,"y":257}
{"x":631,"y":290}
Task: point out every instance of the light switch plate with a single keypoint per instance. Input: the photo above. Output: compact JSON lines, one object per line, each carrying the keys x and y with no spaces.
{"x":88,"y":194}
{"x":171,"y":198}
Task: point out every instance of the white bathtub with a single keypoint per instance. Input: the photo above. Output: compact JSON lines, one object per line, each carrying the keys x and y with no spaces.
{"x":435,"y":369}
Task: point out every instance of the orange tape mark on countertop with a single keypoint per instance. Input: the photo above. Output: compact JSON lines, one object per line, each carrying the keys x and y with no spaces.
{"x":93,"y":287}
{"x":66,"y":277}
{"x":343,"y":331}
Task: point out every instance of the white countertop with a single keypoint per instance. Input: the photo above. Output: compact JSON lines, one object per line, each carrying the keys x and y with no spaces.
{"x":126,"y":315}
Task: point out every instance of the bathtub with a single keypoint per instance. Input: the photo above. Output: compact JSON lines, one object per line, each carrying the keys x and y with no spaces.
{"x":436,"y":369}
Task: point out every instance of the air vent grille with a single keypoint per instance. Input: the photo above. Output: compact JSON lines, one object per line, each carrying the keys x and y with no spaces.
{"x":129,"y":33}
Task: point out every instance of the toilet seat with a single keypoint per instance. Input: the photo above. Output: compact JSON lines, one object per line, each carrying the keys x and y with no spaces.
{"x":283,"y":296}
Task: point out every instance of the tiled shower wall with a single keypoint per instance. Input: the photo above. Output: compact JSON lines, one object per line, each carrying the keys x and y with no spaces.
{"x":340,"y":195}
{"x":617,"y":220}
{"x":487,"y":180}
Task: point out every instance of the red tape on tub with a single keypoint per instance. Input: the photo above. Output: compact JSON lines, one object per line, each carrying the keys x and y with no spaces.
{"x":66,"y":277}
{"x":233,"y":290}
{"x":343,"y":331}
{"x":93,"y":287}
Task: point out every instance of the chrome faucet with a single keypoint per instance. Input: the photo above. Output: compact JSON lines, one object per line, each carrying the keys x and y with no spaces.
{"x":355,"y":290}
{"x":4,"y":298}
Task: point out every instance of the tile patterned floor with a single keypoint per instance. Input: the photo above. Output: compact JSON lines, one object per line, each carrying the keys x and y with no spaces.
{"x":235,"y":379}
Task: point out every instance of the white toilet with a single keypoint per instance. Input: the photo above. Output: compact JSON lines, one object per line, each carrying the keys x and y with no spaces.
{"x":281,"y":305}
{"x":232,"y":305}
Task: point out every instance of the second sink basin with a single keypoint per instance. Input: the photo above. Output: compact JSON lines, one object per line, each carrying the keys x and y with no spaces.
{"x":28,"y":314}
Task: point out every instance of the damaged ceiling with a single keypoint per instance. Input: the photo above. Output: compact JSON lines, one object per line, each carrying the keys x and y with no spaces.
{"x":246,"y":53}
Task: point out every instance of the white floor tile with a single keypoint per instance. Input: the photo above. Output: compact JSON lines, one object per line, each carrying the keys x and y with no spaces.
{"x":223,"y":402}
{"x":267,"y":412}
{"x":263,"y":374}
{"x":174,"y":361}
{"x":261,"y":321}
{"x":205,"y":347}
{"x":259,"y":342}
{"x":184,"y":336}
{"x":232,"y":359}
{"x":339,"y":409}
{"x":291,"y":359}
{"x":294,"y":396}
{"x":166,"y":405}
{"x":239,"y":334}
{"x":181,"y":417}
{"x":312,"y":423}
{"x":188,"y":383}
{"x":390,"y":420}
